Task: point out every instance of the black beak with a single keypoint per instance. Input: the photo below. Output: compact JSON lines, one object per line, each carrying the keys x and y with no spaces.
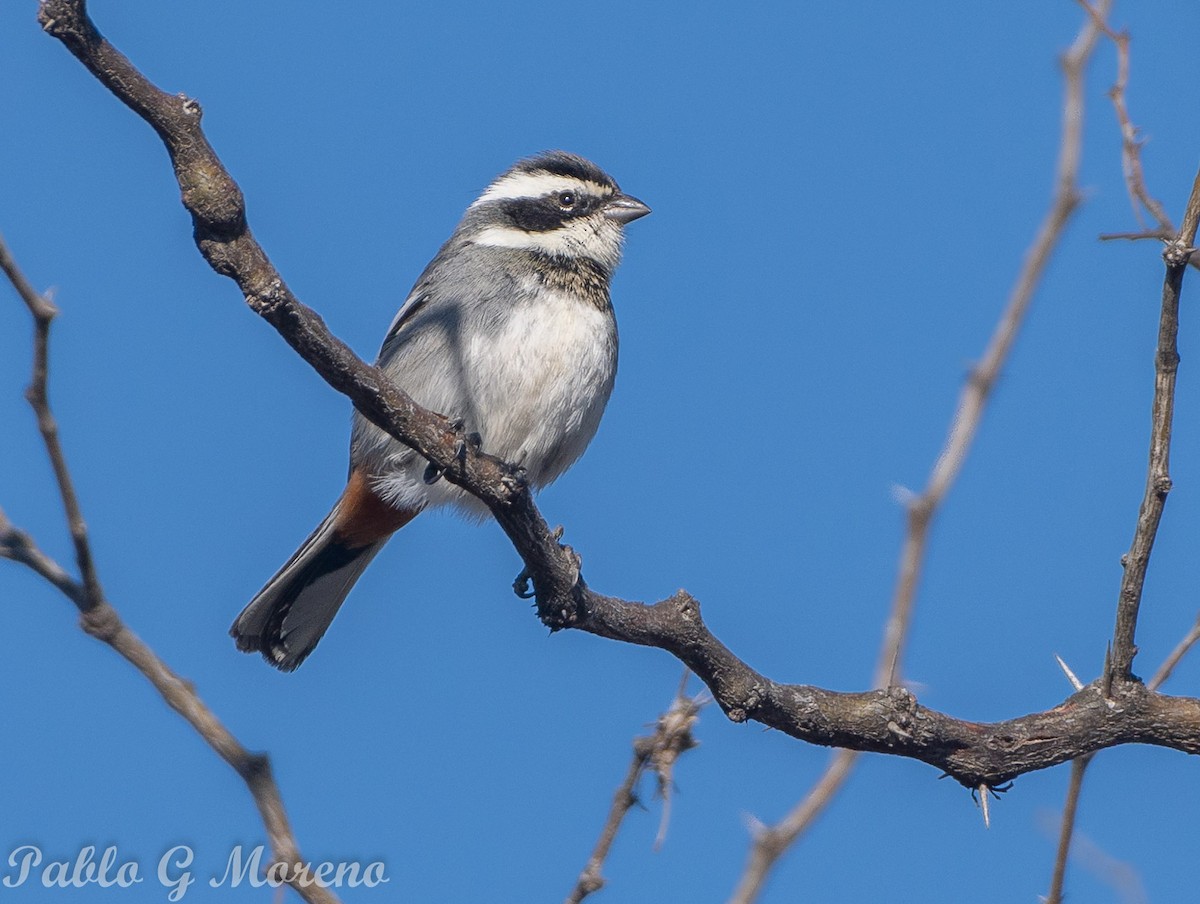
{"x":625,"y":209}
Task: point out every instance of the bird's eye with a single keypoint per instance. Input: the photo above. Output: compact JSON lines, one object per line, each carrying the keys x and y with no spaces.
{"x":566,"y":199}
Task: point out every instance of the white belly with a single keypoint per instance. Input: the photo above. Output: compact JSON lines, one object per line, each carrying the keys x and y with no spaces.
{"x":533,"y":387}
{"x":541,"y":383}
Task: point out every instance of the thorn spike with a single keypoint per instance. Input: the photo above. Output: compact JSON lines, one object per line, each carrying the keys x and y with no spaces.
{"x":1075,"y":682}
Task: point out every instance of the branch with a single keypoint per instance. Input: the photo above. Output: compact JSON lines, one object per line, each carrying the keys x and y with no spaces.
{"x":101,"y":620}
{"x":982,"y":379}
{"x":1158,"y":477}
{"x":1147,"y":521}
{"x":659,"y":751}
{"x":1131,"y":144}
{"x":18,"y":546}
{"x":886,"y":721}
{"x":1078,"y":768}
{"x":44,"y":312}
{"x":1181,"y":649}
{"x":771,"y":843}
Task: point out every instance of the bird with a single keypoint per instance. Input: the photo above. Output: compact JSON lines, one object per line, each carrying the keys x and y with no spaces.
{"x":509,"y":332}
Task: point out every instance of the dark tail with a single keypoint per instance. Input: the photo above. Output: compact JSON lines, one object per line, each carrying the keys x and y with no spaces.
{"x":288,"y":617}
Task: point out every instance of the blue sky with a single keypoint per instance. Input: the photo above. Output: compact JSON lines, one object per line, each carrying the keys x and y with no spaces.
{"x":842,"y":195}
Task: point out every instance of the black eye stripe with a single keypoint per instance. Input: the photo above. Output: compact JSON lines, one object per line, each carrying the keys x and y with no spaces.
{"x":547,"y":212}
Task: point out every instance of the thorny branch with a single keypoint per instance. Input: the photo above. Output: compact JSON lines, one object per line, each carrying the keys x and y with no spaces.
{"x":1079,"y":766}
{"x":1131,"y":145}
{"x":1178,"y":255}
{"x":888,"y":720}
{"x":658,"y":752}
{"x":102,"y":621}
{"x":771,"y":842}
{"x":1158,"y":477}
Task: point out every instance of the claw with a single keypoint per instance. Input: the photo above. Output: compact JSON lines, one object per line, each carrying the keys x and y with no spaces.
{"x":521,"y":585}
{"x":515,"y":480}
{"x":576,"y":563}
{"x":472,"y":441}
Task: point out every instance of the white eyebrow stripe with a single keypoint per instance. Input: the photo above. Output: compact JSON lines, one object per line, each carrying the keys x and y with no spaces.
{"x":535,"y":185}
{"x":577,"y":238}
{"x":552,"y":242}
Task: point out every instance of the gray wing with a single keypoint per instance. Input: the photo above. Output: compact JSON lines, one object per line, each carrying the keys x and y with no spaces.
{"x":424,"y":351}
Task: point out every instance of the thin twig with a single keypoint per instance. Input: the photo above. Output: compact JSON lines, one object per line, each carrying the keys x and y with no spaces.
{"x":1176,"y":655}
{"x":983,"y":378}
{"x":771,"y":843}
{"x":1158,"y":472}
{"x":102,"y":621}
{"x":1131,"y":145}
{"x":18,"y":546}
{"x":1078,"y":768}
{"x":38,"y":395}
{"x":1160,"y":234}
{"x":659,"y":751}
